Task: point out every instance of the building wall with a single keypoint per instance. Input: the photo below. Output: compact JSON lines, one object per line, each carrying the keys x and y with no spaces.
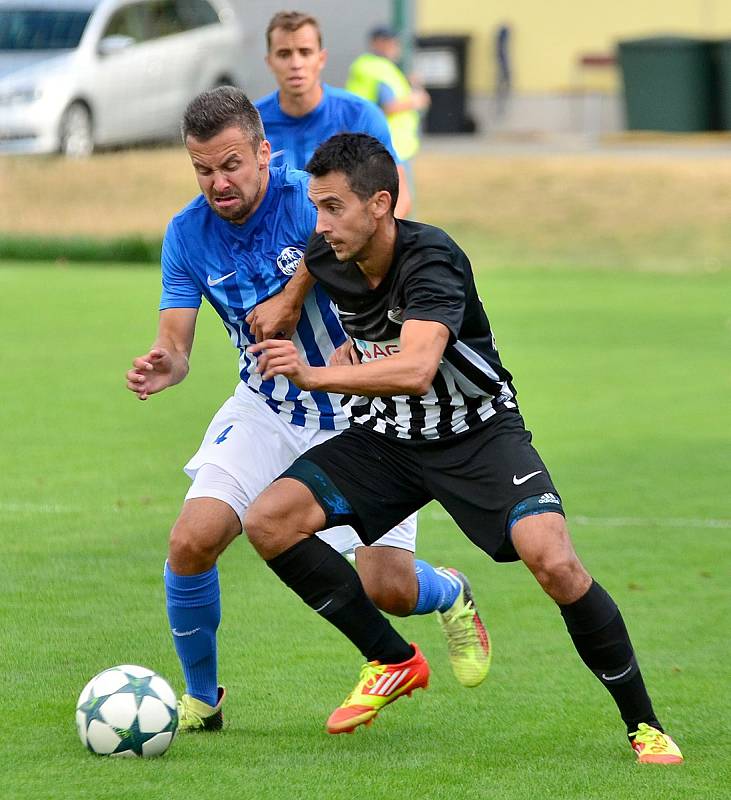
{"x":549,"y":38}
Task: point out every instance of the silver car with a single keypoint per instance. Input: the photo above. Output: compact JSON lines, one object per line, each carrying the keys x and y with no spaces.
{"x":78,"y":74}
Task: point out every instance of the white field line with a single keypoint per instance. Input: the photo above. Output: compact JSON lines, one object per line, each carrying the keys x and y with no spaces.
{"x":436,"y":514}
{"x":60,"y":508}
{"x":439,"y":514}
{"x":37,"y":508}
{"x":650,"y":522}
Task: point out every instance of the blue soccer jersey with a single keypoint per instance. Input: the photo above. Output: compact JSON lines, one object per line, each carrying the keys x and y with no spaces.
{"x":295,"y":139}
{"x":236,"y":267}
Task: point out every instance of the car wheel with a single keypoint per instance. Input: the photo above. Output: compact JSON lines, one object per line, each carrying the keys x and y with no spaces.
{"x":77,"y":138}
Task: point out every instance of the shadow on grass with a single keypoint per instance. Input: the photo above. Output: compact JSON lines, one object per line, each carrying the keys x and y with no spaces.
{"x":128,"y":249}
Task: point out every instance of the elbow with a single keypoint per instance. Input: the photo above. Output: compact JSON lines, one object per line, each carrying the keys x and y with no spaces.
{"x":421,"y":381}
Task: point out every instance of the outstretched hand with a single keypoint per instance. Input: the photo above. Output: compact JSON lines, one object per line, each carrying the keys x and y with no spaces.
{"x":150,"y":373}
{"x":281,"y":357}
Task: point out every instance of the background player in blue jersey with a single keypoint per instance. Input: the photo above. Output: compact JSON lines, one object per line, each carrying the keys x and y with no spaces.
{"x":304,"y":112}
{"x":237,"y":244}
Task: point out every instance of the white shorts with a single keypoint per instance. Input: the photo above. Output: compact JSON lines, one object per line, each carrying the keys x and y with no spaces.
{"x":247,"y":446}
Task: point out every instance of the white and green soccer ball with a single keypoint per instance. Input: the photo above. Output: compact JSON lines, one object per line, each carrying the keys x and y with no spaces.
{"x":127,"y":711}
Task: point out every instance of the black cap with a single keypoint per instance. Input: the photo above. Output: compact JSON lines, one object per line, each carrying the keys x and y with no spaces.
{"x":382,"y":32}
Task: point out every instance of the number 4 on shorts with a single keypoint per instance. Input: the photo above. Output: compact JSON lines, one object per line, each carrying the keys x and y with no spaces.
{"x":222,"y":436}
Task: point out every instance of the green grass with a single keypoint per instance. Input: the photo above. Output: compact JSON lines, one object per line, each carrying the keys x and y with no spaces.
{"x":624,"y":379}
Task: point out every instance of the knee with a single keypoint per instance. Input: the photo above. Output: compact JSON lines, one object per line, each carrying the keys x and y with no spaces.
{"x":397,"y":598}
{"x":561,"y":575}
{"x":283,"y":514}
{"x":260,"y":524}
{"x":192,"y":550}
{"x":553,"y":568}
{"x":544,"y":545}
{"x":273,"y":527}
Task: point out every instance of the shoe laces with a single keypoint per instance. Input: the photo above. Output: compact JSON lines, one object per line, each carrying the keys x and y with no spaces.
{"x":370,"y":672}
{"x":186,"y":713}
{"x":461,"y":636}
{"x":652,"y":737}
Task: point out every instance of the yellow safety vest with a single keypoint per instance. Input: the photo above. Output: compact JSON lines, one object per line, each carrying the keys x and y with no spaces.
{"x":366,"y":72}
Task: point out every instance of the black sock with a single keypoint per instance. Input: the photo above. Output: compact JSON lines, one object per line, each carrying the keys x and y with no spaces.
{"x":601,"y":639}
{"x":327,"y":583}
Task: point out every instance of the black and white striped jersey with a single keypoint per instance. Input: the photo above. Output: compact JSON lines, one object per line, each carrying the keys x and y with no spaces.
{"x":430,"y":279}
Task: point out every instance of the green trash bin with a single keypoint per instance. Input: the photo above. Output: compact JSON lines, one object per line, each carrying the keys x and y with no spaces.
{"x":722,"y":54}
{"x":668,"y":83}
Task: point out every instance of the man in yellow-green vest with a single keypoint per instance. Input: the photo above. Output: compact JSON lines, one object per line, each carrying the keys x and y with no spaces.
{"x":376,"y":77}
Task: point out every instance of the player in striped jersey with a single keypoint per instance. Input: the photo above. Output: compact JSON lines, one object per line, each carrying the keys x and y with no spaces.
{"x":441,"y":423}
{"x":237,"y":244}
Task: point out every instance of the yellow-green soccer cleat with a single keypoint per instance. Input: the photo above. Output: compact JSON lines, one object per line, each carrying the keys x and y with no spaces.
{"x":378,"y":685}
{"x":195,"y":715}
{"x":654,"y":747}
{"x":468,"y":641}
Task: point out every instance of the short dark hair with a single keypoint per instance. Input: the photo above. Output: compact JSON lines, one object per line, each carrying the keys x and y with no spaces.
{"x":365,"y":162}
{"x":292,"y":21}
{"x":382,"y":32}
{"x":223,"y":107}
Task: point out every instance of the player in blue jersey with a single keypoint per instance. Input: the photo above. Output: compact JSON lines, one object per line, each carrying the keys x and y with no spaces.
{"x":237,"y":244}
{"x":304,"y":112}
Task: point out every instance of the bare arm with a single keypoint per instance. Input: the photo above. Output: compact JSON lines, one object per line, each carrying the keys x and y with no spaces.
{"x":410,"y":371}
{"x":418,"y":100}
{"x":166,"y":363}
{"x":278,"y":316}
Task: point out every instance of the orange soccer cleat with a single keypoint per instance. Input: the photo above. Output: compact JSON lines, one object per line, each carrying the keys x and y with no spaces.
{"x":379,"y":685}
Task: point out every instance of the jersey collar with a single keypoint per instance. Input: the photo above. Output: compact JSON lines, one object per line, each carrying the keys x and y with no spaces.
{"x":310,"y":114}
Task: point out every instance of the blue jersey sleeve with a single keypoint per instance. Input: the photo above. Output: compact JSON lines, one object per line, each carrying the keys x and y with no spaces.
{"x":179,"y":290}
{"x":373,"y":122}
{"x":385,"y":95}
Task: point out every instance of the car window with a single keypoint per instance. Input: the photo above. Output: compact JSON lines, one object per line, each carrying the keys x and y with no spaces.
{"x":164,"y":19}
{"x":196,"y":13}
{"x":41,"y":29}
{"x":130,"y":21}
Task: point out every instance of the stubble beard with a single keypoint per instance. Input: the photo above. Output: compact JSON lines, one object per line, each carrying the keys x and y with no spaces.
{"x":242,"y":212}
{"x":361,"y":251}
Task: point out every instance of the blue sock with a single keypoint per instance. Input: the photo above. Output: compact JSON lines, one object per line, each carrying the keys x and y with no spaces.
{"x":194,"y":611}
{"x":437,"y":590}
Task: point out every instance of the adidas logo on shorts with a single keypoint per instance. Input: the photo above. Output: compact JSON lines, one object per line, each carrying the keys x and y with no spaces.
{"x":548,"y":497}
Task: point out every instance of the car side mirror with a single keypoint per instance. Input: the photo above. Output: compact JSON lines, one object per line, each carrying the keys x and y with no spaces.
{"x":110,"y":45}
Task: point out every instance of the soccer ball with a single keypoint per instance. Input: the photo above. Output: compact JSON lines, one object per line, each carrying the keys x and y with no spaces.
{"x":127,"y":711}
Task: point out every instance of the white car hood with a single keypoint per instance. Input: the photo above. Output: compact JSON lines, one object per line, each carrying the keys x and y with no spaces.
{"x":32,"y":67}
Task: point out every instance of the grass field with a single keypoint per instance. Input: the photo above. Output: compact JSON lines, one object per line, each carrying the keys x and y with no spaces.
{"x":624,"y":378}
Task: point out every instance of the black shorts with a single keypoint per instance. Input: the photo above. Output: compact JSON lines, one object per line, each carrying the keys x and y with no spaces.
{"x":373,"y":482}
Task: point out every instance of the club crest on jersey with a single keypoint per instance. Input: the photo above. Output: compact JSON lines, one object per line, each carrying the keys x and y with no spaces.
{"x":395,"y":315}
{"x":288,"y":260}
